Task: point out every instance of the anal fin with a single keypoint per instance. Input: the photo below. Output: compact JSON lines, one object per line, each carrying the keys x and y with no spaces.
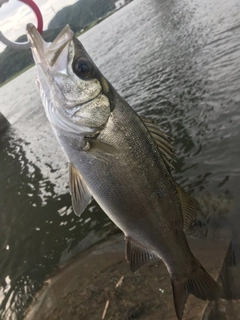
{"x":80,"y":193}
{"x":137,"y":256}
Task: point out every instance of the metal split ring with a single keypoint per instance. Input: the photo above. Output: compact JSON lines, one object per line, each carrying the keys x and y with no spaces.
{"x":23,"y":45}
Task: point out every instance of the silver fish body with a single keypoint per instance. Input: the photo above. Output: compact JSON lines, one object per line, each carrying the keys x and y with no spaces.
{"x":128,"y":184}
{"x":121,"y":160}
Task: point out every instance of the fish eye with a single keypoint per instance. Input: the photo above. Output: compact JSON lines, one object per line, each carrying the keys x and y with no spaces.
{"x":83,"y":68}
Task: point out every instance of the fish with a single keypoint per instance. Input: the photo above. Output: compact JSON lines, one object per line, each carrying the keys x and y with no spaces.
{"x":121,"y":160}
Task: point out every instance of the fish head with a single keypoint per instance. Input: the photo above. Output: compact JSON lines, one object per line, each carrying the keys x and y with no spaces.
{"x":73,"y":91}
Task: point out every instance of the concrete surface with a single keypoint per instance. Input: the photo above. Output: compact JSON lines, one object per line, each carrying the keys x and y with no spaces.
{"x":81,"y":288}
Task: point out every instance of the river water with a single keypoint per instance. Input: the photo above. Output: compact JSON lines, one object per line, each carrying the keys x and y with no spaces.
{"x":175,"y":61}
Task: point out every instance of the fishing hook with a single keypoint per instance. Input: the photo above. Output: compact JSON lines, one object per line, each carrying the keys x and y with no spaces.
{"x":23,"y":45}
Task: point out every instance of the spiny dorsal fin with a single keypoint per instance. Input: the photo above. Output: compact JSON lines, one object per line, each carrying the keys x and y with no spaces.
{"x":137,"y":256}
{"x":190,"y":207}
{"x":162,"y":141}
{"x":79,"y":191}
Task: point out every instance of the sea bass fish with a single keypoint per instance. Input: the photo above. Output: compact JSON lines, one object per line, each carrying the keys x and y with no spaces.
{"x":121,"y":160}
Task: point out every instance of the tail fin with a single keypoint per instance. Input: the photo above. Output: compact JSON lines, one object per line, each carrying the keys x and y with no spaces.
{"x":200,"y":284}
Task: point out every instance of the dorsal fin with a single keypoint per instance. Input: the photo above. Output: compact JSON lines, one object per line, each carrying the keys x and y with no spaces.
{"x":137,"y":256}
{"x":163,"y":142}
{"x":80,"y":193}
{"x":190,"y":207}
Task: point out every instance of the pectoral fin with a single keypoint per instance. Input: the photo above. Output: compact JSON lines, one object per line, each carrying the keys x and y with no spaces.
{"x":137,"y":256}
{"x":100,"y":150}
{"x":80,"y":193}
{"x":190,"y":207}
{"x":162,"y":141}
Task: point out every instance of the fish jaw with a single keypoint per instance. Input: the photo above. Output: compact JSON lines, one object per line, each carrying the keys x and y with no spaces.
{"x":47,"y":53}
{"x":70,"y":102}
{"x":43,"y":55}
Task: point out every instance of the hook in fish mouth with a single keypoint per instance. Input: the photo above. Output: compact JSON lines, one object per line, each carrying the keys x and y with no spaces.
{"x":48,"y":51}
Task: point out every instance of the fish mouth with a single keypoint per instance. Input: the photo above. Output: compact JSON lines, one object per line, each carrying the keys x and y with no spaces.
{"x":48,"y":52}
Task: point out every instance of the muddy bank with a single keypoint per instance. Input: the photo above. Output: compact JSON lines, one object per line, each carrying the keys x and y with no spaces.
{"x":99,"y":279}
